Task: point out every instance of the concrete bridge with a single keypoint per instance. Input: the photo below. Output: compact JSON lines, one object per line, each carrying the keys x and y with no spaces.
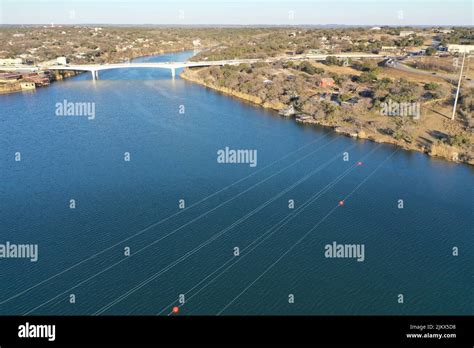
{"x":172,"y":66}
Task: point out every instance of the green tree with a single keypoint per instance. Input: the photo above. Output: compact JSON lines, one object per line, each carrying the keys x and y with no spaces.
{"x":430,"y":51}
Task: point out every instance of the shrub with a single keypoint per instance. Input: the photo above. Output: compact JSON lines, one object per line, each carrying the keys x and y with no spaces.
{"x":431,"y":86}
{"x":458,"y":140}
{"x":308,"y":68}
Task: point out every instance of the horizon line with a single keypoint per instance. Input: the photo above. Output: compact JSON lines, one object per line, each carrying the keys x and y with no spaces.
{"x":243,"y":25}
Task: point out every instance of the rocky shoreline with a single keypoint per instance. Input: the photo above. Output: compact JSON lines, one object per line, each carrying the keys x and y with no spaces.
{"x":186,"y":75}
{"x":443,"y":151}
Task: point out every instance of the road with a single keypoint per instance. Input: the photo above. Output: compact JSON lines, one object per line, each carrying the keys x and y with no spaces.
{"x":395,"y":64}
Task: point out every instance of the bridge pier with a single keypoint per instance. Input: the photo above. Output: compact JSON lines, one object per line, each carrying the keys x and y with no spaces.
{"x":95,"y":75}
{"x":173,"y":72}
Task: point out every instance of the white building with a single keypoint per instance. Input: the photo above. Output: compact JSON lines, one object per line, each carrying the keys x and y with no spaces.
{"x":406,"y":33}
{"x":445,"y":31}
{"x":27,"y":86}
{"x":11,"y":61}
{"x":388,"y":48}
{"x":61,"y":60}
{"x":461,"y":48}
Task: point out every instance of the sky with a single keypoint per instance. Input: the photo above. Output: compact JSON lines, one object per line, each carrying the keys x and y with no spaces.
{"x":239,"y":12}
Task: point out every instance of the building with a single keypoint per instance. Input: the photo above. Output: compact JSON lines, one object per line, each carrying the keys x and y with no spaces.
{"x":405,"y":33}
{"x":61,"y":60}
{"x":444,"y":31}
{"x":25,"y":86}
{"x":389,"y":48}
{"x":38,"y":79}
{"x":461,"y":48}
{"x":8,"y":77}
{"x":11,"y":61}
{"x":326,"y":82}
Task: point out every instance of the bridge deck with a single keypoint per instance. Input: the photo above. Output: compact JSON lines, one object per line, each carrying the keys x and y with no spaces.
{"x":178,"y":65}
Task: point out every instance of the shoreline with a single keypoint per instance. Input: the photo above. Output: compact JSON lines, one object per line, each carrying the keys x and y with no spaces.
{"x":15,"y":86}
{"x":446,"y":152}
{"x":62,"y":75}
{"x":353,"y":132}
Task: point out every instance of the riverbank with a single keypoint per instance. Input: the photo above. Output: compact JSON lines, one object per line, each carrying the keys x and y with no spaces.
{"x":17,"y":86}
{"x":27,"y":85}
{"x":189,"y":76}
{"x":367,"y":127}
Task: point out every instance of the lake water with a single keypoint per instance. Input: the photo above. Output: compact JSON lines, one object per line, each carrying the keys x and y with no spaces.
{"x":190,"y":251}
